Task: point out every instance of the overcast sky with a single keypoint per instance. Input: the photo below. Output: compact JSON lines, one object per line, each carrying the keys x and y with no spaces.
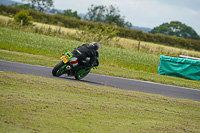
{"x":144,"y":13}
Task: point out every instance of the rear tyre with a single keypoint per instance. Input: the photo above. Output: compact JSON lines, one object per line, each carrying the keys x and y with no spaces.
{"x":81,"y":74}
{"x":59,"y":69}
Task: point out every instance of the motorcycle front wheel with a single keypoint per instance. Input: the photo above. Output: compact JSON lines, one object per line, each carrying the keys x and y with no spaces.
{"x":59,"y":69}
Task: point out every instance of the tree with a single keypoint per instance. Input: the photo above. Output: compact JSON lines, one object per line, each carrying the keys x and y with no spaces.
{"x":69,"y":13}
{"x":96,"y":13}
{"x":176,"y":28}
{"x":40,"y":4}
{"x":101,"y":33}
{"x":109,"y":15}
{"x":24,"y":6}
{"x":113,"y":16}
{"x":22,"y":16}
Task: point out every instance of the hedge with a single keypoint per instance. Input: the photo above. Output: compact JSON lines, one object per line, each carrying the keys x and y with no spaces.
{"x":123,"y":32}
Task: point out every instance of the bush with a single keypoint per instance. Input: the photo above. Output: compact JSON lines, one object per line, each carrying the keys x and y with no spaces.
{"x":101,"y":33}
{"x":23,"y":16}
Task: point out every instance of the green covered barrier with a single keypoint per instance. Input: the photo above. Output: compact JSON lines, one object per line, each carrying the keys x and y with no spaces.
{"x":179,"y":67}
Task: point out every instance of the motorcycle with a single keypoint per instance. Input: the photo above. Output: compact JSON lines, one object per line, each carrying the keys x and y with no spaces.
{"x":69,"y":65}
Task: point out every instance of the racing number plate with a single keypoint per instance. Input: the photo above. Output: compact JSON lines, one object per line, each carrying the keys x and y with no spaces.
{"x":65,"y":59}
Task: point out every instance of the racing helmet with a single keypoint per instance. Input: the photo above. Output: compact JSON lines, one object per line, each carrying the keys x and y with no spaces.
{"x":94,"y":45}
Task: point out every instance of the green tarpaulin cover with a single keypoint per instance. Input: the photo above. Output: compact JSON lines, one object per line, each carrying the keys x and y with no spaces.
{"x":179,"y":67}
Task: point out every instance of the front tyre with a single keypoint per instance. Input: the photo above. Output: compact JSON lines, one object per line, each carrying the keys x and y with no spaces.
{"x":59,"y":69}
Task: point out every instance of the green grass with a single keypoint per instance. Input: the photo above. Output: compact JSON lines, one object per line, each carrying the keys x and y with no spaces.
{"x":28,"y":58}
{"x":35,"y":104}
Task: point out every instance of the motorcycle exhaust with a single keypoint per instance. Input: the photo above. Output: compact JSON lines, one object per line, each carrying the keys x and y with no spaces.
{"x":68,"y":67}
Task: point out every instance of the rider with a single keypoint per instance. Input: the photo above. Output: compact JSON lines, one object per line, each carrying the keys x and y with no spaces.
{"x":87,"y":54}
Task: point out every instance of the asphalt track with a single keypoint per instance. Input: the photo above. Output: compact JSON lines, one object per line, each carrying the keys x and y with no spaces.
{"x":116,"y":82}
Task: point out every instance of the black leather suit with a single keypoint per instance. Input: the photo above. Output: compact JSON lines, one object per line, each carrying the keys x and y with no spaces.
{"x":84,"y":51}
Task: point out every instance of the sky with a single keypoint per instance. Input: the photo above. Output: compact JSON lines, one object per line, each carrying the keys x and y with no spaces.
{"x":143,"y":13}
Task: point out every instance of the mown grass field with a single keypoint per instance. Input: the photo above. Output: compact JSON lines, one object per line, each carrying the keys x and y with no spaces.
{"x":35,"y":104}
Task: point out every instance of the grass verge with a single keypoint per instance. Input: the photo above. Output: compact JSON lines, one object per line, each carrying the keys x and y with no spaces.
{"x":36,"y":104}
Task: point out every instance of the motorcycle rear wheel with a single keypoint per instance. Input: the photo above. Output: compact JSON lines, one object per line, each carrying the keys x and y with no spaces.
{"x":81,"y":74}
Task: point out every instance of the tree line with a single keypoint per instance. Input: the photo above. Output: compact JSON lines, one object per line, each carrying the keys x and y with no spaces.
{"x":176,"y":28}
{"x":111,"y":15}
{"x":101,"y":14}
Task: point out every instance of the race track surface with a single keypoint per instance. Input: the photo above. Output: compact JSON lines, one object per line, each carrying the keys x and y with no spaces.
{"x":120,"y":83}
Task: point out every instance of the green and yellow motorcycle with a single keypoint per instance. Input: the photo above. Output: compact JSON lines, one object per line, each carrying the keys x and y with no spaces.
{"x":69,"y":65}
